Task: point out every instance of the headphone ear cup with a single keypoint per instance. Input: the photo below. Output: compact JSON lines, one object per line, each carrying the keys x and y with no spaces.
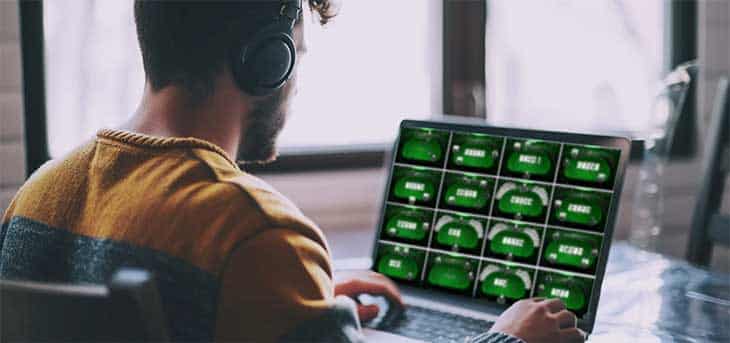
{"x":266,"y":63}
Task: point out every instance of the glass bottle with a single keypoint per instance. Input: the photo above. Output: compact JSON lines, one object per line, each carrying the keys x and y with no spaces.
{"x":648,"y":212}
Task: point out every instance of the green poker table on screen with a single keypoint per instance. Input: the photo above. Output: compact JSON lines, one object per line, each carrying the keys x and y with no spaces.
{"x":422,"y":148}
{"x":399,"y":262}
{"x":408,"y":225}
{"x":508,"y":240}
{"x":522,"y":200}
{"x":475,"y":153}
{"x":572,"y":249}
{"x":467,"y":193}
{"x":579,"y":208}
{"x":588,"y":165}
{"x":414,"y":187}
{"x":500,"y":282}
{"x":530,"y":157}
{"x":566,"y":288}
{"x":457,"y":232}
{"x":451,"y":272}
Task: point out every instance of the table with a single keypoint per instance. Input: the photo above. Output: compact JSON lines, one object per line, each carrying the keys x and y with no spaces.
{"x":646,"y":297}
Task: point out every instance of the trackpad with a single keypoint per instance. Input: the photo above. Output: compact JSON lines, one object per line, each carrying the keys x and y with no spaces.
{"x":382,"y":336}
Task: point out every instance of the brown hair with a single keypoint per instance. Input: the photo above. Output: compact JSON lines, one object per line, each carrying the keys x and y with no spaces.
{"x":186,"y":43}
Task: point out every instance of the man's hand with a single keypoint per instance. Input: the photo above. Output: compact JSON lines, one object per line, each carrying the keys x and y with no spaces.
{"x":539,"y":320}
{"x":354,"y":283}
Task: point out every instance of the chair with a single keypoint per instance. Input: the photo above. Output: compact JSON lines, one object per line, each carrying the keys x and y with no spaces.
{"x":127,"y":309}
{"x":709,"y":226}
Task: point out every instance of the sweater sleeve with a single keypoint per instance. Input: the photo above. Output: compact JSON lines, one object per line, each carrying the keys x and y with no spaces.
{"x":494,"y":337}
{"x":277,"y":286}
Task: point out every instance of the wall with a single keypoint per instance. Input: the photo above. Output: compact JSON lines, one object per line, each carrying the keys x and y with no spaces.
{"x":12,"y":154}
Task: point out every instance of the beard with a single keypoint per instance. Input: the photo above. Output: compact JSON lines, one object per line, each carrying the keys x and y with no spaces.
{"x":266,"y":119}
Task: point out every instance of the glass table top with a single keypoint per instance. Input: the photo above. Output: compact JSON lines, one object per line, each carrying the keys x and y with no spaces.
{"x":647,"y":297}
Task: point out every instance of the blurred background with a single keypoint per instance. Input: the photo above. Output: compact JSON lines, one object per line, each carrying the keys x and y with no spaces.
{"x":600,"y":66}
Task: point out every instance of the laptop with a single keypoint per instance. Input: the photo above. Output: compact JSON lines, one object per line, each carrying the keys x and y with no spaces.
{"x":475,"y":218}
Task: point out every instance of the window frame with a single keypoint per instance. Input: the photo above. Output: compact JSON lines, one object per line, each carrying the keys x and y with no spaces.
{"x":458,"y":17}
{"x":463,"y":64}
{"x":291,"y":159}
{"x":681,"y":31}
{"x":294,"y":160}
{"x":34,"y":84}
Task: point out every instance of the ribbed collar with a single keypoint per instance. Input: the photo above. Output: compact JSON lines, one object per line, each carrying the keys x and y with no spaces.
{"x":146,"y":141}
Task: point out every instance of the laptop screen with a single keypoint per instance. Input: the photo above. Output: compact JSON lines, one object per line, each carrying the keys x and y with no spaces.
{"x":499,"y":215}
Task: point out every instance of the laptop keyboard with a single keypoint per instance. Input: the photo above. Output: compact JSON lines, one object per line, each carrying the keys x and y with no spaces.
{"x":435,"y":326}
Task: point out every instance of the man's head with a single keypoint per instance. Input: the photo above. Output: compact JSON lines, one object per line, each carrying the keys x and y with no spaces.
{"x":188,"y":44}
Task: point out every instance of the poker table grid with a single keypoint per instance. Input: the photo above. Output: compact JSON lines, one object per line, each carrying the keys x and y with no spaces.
{"x":497,"y":177}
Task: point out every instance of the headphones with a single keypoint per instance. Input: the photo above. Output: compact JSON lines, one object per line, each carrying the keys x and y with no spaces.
{"x":265,"y":63}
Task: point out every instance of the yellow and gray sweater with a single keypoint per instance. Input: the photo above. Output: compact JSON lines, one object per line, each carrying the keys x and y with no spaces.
{"x":234,"y":259}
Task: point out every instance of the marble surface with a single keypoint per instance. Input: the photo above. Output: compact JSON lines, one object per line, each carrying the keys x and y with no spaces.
{"x":648,"y":297}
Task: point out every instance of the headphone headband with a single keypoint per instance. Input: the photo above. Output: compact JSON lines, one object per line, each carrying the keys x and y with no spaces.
{"x":290,"y":11}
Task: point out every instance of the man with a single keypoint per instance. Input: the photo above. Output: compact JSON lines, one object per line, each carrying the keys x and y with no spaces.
{"x":234,"y":259}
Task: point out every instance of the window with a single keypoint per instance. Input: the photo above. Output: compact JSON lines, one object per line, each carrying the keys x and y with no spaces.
{"x":377,"y":62}
{"x":574,"y":64}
